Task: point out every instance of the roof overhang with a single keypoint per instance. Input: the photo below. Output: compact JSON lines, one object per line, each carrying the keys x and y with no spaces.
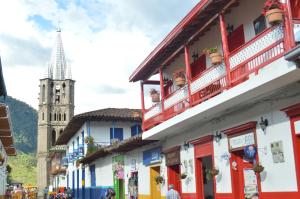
{"x":110,"y":114}
{"x":190,"y":28}
{"x":118,"y":147}
{"x":6,"y":136}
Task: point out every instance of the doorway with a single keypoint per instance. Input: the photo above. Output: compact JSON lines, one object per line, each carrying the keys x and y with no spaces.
{"x":244,"y":180}
{"x":205,"y":183}
{"x":174,"y":177}
{"x":119,"y":187}
{"x":154,"y":187}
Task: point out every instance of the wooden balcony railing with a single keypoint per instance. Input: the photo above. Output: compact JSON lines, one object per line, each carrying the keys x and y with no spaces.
{"x":245,"y":60}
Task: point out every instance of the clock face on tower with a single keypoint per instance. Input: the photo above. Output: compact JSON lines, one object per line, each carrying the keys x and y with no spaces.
{"x":57,"y":87}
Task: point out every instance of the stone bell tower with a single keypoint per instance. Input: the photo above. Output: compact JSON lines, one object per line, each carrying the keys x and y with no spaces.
{"x":56,"y":108}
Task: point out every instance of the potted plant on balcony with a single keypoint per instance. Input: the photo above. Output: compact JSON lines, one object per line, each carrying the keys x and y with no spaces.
{"x":154,"y":95}
{"x":89,"y":140}
{"x":179,"y":77}
{"x":273,"y":10}
{"x":214,"y":55}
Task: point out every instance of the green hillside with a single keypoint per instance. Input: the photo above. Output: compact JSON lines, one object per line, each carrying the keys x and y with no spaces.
{"x":24,"y":122}
{"x":23,"y":168}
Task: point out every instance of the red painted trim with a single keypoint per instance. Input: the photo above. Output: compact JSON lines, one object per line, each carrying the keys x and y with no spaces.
{"x":188,"y":196}
{"x":169,"y":150}
{"x":289,"y":25}
{"x":224,"y":196}
{"x":240,"y":128}
{"x":202,"y":140}
{"x":162,"y":90}
{"x":188,"y":68}
{"x":292,"y":111}
{"x":225,"y":48}
{"x":178,"y":28}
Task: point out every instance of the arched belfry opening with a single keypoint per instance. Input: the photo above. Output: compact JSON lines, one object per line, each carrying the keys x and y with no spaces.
{"x":53,"y":136}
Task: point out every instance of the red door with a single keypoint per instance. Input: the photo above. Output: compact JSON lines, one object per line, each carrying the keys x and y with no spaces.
{"x":244,"y":179}
{"x":295,"y":6}
{"x":295,"y":123}
{"x":236,"y":38}
{"x":198,"y":66}
{"x":174,"y":177}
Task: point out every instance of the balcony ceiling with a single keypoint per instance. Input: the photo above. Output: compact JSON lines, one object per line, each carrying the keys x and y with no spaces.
{"x":188,"y":30}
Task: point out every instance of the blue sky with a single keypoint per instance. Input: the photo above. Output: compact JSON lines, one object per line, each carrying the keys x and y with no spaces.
{"x":104,"y":41}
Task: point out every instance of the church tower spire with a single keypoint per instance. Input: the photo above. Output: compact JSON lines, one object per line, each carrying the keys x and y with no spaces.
{"x":56,"y":108}
{"x":58,"y":65}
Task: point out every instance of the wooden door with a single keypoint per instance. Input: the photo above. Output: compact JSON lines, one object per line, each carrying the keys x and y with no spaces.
{"x":174,"y":177}
{"x":155,"y":189}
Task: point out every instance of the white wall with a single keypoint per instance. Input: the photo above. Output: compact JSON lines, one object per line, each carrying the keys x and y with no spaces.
{"x":3,"y":175}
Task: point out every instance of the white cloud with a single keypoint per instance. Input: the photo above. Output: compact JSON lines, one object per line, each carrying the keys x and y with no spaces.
{"x":104,"y":41}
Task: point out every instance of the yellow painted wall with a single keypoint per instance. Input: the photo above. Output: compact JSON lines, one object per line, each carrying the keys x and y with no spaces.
{"x":149,"y":197}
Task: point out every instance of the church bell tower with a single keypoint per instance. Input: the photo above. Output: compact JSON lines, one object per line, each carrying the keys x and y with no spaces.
{"x":56,"y":108}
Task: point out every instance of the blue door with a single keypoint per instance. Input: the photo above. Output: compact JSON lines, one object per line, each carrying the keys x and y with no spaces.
{"x":73,"y":182}
{"x":93,"y":182}
{"x":77,"y":190}
{"x":83,"y":183}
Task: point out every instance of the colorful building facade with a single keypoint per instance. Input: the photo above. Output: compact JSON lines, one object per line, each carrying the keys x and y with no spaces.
{"x":225,"y":107}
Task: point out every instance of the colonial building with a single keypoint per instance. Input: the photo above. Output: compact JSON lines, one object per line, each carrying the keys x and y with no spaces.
{"x":226,"y":106}
{"x":56,"y":108}
{"x":89,"y":138}
{"x":6,"y":138}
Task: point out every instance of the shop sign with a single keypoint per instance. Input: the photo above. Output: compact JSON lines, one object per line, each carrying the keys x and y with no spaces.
{"x":152,"y":156}
{"x":297,"y":127}
{"x":241,"y":141}
{"x":250,"y":182}
{"x":173,"y":158}
{"x":118,"y":166}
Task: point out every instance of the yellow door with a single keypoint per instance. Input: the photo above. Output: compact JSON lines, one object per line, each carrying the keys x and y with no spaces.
{"x":155,"y":189}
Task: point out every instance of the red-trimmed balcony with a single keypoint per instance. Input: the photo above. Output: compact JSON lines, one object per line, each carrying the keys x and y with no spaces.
{"x":239,"y":64}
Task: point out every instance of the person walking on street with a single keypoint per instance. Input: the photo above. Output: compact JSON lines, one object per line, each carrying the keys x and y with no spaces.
{"x":172,"y":194}
{"x":110,"y":193}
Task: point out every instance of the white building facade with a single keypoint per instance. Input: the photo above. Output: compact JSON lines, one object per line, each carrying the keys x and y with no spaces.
{"x":227,"y":128}
{"x":105,"y":128}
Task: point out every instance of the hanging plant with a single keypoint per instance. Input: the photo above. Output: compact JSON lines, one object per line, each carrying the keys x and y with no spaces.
{"x":1,"y":159}
{"x":210,"y":173}
{"x":258,"y":168}
{"x":183,"y":175}
{"x":159,"y":180}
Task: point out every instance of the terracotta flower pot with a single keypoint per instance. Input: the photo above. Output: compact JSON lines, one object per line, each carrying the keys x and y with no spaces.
{"x":257,"y":168}
{"x":155,"y":97}
{"x":274,"y":16}
{"x":180,"y":81}
{"x":216,"y":58}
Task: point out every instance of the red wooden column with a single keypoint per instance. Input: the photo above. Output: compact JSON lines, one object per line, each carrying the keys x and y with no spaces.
{"x":188,"y":71}
{"x":225,"y":48}
{"x":162,"y":90}
{"x":288,"y":23}
{"x":142,"y":101}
